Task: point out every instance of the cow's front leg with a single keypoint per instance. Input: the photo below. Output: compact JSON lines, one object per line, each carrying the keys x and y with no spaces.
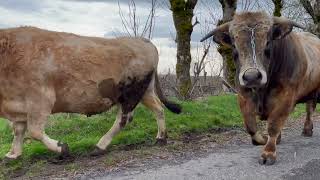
{"x":36,"y":128}
{"x":280,"y":109}
{"x":121,"y":120}
{"x":308,"y":125}
{"x":247,"y":108}
{"x":19,"y":129}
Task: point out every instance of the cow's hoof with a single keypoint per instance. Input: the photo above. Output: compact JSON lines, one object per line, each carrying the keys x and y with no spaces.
{"x":255,"y":143}
{"x":97,"y":152}
{"x":307,"y":133}
{"x":259,"y":139}
{"x":260,"y":143}
{"x":161,"y":142}
{"x":65,"y":153}
{"x":267,"y":159}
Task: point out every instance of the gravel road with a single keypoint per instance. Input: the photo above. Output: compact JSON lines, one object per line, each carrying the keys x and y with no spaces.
{"x":298,"y":158}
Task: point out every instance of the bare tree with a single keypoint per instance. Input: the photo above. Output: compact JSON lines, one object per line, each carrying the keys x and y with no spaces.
{"x":199,"y":66}
{"x":313,"y":9}
{"x":132,"y":24}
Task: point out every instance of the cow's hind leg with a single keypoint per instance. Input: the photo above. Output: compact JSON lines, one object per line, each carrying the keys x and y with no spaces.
{"x":151,"y":101}
{"x":121,"y":120}
{"x":130,"y":94}
{"x":19,"y":129}
{"x":36,"y":125}
{"x":308,"y":125}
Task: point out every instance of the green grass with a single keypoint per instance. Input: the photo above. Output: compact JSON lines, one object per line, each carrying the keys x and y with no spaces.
{"x":81,"y":132}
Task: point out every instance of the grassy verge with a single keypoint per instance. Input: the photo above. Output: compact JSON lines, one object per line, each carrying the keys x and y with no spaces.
{"x":81,"y":132}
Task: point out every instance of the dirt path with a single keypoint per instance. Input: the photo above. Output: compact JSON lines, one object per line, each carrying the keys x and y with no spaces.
{"x":222,"y":154}
{"x":298,"y":158}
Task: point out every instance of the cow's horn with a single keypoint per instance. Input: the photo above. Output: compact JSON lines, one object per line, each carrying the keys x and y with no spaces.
{"x":211,"y":33}
{"x":280,"y":20}
{"x":222,"y":28}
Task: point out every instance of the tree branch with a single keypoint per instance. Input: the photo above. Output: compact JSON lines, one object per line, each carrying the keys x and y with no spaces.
{"x":307,"y":5}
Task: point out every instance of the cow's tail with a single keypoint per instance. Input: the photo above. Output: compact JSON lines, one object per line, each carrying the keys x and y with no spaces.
{"x":173,"y":107}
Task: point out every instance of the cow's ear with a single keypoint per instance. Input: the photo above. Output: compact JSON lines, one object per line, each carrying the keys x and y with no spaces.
{"x":220,"y":35}
{"x":282,"y":27}
{"x":279,"y":31}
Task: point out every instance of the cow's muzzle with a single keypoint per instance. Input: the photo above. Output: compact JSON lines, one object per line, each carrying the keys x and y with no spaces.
{"x":252,"y":77}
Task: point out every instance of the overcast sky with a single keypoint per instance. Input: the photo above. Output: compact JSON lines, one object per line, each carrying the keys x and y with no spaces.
{"x":101,"y":18}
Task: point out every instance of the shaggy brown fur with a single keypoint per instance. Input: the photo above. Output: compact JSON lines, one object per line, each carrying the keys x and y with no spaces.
{"x":291,"y":64}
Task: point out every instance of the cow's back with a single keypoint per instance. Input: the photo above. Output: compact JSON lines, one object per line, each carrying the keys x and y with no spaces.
{"x":70,"y":66}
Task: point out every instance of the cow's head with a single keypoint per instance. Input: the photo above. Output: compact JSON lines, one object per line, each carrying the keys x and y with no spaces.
{"x":250,"y":34}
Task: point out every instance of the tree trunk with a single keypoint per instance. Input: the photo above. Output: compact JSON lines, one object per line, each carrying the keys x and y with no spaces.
{"x":317,"y":18}
{"x":278,"y":4}
{"x":229,"y":69}
{"x":182,"y":13}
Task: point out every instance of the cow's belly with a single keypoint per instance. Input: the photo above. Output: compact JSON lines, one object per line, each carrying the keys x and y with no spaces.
{"x":80,"y":98}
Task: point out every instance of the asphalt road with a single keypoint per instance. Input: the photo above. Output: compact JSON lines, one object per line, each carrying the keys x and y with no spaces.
{"x":298,"y":158}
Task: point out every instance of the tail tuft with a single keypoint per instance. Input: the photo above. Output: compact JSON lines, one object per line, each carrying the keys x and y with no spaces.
{"x":175,"y":108}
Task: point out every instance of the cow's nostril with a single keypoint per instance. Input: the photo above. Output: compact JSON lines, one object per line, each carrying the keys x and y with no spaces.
{"x":259,"y":75}
{"x":252,"y":75}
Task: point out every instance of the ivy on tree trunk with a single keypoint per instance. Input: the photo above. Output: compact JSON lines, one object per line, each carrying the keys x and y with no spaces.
{"x":182,"y":13}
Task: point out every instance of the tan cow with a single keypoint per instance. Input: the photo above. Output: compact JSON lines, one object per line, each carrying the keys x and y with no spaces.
{"x":44,"y":72}
{"x":276,"y":68}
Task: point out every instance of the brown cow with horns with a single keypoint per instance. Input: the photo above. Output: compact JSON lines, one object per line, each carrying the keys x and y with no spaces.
{"x":276,"y":68}
{"x":44,"y":72}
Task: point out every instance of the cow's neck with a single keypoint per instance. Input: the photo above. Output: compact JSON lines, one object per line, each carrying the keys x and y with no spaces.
{"x":283,"y":63}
